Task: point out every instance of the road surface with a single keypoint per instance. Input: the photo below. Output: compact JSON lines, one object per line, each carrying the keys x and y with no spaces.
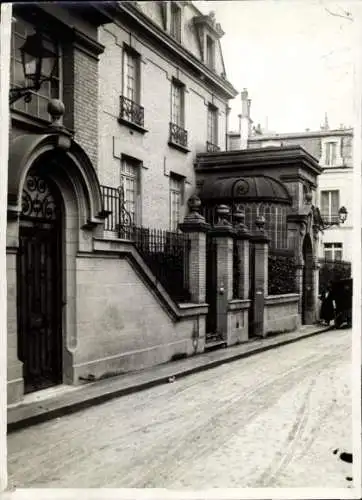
{"x":270,"y":420}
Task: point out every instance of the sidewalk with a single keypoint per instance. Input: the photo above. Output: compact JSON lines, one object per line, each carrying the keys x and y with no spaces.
{"x":61,"y":400}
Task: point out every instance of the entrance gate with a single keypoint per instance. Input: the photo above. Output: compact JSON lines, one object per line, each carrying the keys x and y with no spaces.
{"x":39,"y":285}
{"x":211,"y":291}
{"x":308,"y":289}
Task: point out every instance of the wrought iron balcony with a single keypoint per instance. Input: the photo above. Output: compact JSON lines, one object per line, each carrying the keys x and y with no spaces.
{"x":330,"y":219}
{"x":211,"y":148}
{"x":131,"y":111}
{"x":178,"y":135}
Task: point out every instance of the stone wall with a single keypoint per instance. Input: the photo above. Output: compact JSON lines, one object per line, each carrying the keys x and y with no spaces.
{"x":281,"y":313}
{"x":238,"y":325}
{"x":121,"y":325}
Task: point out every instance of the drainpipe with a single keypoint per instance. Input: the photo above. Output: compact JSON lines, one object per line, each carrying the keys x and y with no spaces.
{"x":5,"y":44}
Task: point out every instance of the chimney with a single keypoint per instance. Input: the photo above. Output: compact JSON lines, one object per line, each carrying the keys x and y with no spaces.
{"x":244,"y":119}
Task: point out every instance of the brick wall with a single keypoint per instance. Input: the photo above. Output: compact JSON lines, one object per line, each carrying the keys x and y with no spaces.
{"x":80,"y":96}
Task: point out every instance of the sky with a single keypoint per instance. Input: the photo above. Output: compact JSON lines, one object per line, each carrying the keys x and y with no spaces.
{"x":295,"y":58}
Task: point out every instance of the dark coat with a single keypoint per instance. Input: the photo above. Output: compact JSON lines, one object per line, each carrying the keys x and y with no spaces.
{"x":327,"y":308}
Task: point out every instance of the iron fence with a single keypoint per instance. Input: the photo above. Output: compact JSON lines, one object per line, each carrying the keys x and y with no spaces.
{"x":119,"y":220}
{"x":167,"y":255}
{"x":332,"y":270}
{"x":236,"y":271}
{"x":281,"y":272}
{"x":165,"y":252}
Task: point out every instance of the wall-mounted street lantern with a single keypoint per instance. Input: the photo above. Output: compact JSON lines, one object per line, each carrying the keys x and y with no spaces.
{"x":334,"y":220}
{"x":342,"y":213}
{"x":33,"y":56}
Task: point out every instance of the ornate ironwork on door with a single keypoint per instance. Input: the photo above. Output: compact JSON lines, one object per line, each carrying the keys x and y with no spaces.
{"x":39,"y":285}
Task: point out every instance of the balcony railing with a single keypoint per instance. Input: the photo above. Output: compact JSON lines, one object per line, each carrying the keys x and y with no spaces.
{"x":131,"y":111}
{"x":331,"y":219}
{"x":212,"y":148}
{"x":119,"y":221}
{"x":178,"y":135}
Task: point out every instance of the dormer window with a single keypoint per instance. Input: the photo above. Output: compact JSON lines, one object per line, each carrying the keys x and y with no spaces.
{"x":208,"y":33}
{"x":175,"y":21}
{"x":210,"y":52}
{"x":331,"y":153}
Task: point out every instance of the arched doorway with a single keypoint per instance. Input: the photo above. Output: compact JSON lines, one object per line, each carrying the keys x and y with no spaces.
{"x":308,"y":286}
{"x":39,"y":282}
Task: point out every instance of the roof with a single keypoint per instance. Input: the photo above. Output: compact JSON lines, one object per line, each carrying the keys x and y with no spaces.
{"x":245,"y":188}
{"x":296,"y":135}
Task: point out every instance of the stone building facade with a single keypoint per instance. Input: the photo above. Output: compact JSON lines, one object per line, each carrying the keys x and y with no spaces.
{"x":333,"y":150}
{"x":165,"y":100}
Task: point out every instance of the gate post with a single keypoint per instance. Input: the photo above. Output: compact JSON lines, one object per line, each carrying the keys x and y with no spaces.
{"x":242,"y":242}
{"x":223,"y":235}
{"x":195,"y":226}
{"x":260,"y":285}
{"x":316,"y":267}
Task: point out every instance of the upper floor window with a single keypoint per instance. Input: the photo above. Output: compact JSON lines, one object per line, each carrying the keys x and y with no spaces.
{"x":131,"y":110}
{"x":330,"y":205}
{"x":333,"y":251}
{"x":50,"y":89}
{"x":178,"y":135}
{"x":210,"y":52}
{"x":331,"y":153}
{"x":176,"y":186}
{"x":175,"y":21}
{"x":178,"y":103}
{"x":212,"y":128}
{"x":131,"y":75}
{"x":131,"y":184}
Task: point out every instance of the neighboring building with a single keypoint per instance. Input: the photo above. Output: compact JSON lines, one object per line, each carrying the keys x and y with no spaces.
{"x":333,"y":149}
{"x":165,"y":100}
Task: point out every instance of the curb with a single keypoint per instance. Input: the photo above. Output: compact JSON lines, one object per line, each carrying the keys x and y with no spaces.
{"x":48,"y":414}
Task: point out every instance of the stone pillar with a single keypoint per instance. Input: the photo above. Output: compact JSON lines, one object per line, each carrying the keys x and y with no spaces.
{"x":15,"y":381}
{"x":223,"y":235}
{"x":316,"y":267}
{"x":195,"y":227}
{"x":242,"y":241}
{"x":260,"y":286}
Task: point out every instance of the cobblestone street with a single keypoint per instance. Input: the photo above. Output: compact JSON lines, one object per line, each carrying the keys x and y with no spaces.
{"x":270,"y":420}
